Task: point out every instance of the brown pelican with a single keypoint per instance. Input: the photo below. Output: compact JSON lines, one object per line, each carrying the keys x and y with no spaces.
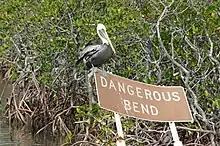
{"x":96,"y":55}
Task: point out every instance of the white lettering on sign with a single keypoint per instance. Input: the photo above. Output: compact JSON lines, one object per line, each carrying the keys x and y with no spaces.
{"x":103,"y":81}
{"x":121,"y":87}
{"x":166,"y":98}
{"x":147,"y":94}
{"x":156,"y":96}
{"x":176,"y":96}
{"x":138,"y":107}
{"x":130,"y":90}
{"x":139,"y":92}
{"x":154,"y":110}
{"x":135,"y":106}
{"x":112,"y":85}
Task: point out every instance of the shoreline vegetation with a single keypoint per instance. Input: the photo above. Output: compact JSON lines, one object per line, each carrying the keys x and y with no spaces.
{"x":161,"y":43}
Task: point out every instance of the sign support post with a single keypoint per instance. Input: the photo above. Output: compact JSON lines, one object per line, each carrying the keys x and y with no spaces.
{"x":174,"y":133}
{"x":120,"y":139}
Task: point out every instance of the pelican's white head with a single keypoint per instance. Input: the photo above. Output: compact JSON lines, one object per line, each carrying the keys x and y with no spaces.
{"x":101,"y":30}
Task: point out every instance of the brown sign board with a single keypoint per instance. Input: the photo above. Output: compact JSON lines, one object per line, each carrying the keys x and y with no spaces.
{"x":140,"y":100}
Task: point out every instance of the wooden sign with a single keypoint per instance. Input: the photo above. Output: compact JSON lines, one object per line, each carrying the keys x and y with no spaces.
{"x":140,"y":100}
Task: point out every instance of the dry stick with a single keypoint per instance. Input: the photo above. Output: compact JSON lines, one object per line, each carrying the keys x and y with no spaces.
{"x":24,"y":96}
{"x":66,"y":110}
{"x":64,"y":126}
{"x":195,"y":130}
{"x":87,"y":132}
{"x":200,"y":137}
{"x":36,"y":83}
{"x":80,"y":142}
{"x":190,"y":89}
{"x":186,"y":71}
{"x":89,"y":89}
{"x":133,"y":138}
{"x":43,"y":102}
{"x":75,"y":37}
{"x":186,"y":82}
{"x":211,"y":54}
{"x":218,"y":66}
{"x":9,"y":108}
{"x":171,"y":58}
{"x":17,"y":111}
{"x":3,"y":90}
{"x":194,"y":144}
{"x":211,"y":51}
{"x":44,"y":127}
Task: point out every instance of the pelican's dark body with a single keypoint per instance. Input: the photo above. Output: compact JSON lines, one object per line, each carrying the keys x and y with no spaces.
{"x":95,"y":55}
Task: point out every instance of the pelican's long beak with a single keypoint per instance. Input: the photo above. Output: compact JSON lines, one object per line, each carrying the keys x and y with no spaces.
{"x":110,"y":43}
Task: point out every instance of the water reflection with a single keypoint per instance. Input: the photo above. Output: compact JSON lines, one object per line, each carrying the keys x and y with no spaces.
{"x":20,"y":136}
{"x":5,"y":136}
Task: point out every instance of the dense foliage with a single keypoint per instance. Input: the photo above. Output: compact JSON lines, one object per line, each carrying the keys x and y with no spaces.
{"x":157,"y":42}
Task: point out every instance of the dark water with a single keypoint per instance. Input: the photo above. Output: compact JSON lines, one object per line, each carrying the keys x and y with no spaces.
{"x":20,"y":136}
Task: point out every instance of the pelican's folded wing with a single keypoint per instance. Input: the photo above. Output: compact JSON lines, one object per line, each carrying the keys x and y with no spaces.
{"x":88,"y":52}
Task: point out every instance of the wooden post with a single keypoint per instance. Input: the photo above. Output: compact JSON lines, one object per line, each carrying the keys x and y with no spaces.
{"x":89,"y":85}
{"x":174,"y":133}
{"x":89,"y":88}
{"x":120,"y":141}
